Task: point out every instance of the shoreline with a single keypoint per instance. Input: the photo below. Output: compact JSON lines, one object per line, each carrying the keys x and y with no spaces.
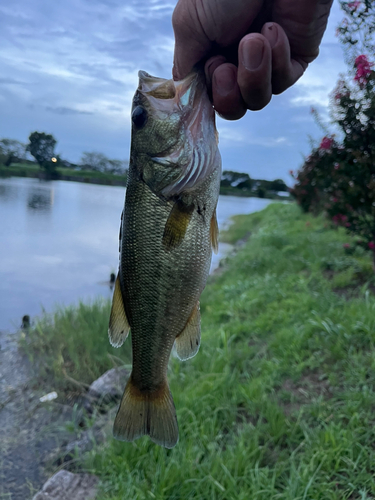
{"x":272,"y":351}
{"x":99,"y":178}
{"x":51,"y":418}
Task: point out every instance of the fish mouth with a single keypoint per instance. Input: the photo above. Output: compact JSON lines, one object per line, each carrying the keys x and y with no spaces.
{"x":185,"y":92}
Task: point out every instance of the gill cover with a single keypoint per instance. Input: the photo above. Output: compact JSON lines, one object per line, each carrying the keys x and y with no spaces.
{"x":194,"y":155}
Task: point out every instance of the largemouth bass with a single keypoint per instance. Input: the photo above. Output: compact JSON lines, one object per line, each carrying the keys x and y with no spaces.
{"x":167,"y":234}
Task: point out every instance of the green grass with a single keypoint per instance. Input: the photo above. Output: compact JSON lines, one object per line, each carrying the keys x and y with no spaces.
{"x":30,"y":170}
{"x":279,"y":402}
{"x":89,"y":175}
{"x":19,"y":170}
{"x":234,"y":191}
{"x":72,"y":345}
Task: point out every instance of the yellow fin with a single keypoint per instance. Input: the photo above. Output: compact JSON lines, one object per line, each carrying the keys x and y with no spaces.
{"x":147,"y":413}
{"x":177,"y":224}
{"x":188,"y":342}
{"x":118,"y":322}
{"x":214,"y":233}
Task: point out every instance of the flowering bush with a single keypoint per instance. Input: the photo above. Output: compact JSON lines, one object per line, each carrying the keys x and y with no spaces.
{"x":326,"y":143}
{"x":338,"y":177}
{"x":354,"y":5}
{"x":363,"y":71}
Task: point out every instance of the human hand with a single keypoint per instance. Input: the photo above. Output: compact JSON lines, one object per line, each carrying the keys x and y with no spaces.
{"x":255,"y":48}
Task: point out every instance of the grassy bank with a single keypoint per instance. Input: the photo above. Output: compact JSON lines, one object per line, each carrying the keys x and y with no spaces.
{"x":94,"y":177}
{"x":279,"y":402}
{"x":247,"y":193}
{"x":64,"y":174}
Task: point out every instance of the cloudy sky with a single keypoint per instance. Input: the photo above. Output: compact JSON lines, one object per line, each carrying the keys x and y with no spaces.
{"x":70,"y":68}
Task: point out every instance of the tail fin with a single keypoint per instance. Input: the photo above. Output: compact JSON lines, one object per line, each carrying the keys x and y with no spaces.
{"x":147,"y":413}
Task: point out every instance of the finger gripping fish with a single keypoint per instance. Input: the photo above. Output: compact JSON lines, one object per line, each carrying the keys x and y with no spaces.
{"x":168,"y":231}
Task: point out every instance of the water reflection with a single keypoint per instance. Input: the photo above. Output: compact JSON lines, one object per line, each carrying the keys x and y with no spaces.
{"x":60,"y":243}
{"x":7,"y":192}
{"x":40,"y":199}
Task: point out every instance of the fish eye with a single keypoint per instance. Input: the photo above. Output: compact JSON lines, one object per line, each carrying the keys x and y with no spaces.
{"x":139,"y":117}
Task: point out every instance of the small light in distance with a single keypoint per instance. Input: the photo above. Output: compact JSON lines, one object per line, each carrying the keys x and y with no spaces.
{"x":54,"y":159}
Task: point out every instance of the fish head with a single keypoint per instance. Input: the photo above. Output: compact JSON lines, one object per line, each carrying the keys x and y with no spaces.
{"x":174,"y":139}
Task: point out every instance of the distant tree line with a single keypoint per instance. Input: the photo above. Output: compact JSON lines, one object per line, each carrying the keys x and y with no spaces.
{"x":12,"y":151}
{"x":41,"y":147}
{"x":231,"y":181}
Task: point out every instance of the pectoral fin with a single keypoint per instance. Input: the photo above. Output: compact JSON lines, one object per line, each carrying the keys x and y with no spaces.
{"x":118,"y":322}
{"x":177,"y":224}
{"x":214,"y":233}
{"x":187,"y":343}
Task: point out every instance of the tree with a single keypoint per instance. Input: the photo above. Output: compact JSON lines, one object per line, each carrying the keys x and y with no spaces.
{"x":100,"y":163}
{"x":339,"y":175}
{"x":42,"y":146}
{"x":235,"y":179}
{"x":12,"y":151}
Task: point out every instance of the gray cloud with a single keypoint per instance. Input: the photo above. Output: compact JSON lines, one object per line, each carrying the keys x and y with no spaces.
{"x":11,"y":81}
{"x":82,"y":57}
{"x":62,"y":110}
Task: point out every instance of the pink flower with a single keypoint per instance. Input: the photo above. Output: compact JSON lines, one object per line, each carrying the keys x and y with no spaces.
{"x":363,"y":66}
{"x":339,"y":219}
{"x":371,"y":245}
{"x":347,"y":224}
{"x":354,"y":5}
{"x":346,"y":245}
{"x":344,"y":22}
{"x":326,"y":143}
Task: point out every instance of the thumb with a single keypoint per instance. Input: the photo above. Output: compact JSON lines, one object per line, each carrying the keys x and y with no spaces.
{"x":191,"y":43}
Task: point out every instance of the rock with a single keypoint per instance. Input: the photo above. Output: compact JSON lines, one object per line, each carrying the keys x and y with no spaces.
{"x":68,"y":486}
{"x":75,"y":449}
{"x":110,"y":385}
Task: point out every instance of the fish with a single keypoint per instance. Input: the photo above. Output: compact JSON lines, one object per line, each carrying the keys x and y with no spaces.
{"x":168,"y":232}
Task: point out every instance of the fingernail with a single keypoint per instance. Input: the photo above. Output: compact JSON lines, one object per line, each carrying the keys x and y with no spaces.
{"x":271,"y":34}
{"x":252,"y":53}
{"x":224,"y":83}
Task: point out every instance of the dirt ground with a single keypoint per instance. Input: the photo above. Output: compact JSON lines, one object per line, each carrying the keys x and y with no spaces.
{"x":31,"y":432}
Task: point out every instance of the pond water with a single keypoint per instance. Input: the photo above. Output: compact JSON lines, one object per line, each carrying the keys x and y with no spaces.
{"x":59,"y":242}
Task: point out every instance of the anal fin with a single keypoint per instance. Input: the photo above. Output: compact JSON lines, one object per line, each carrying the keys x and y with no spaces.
{"x":188,"y":341}
{"x":214,"y":233}
{"x":118,"y":322}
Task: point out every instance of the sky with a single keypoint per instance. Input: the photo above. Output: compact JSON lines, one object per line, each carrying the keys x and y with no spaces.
{"x":70,"y":69}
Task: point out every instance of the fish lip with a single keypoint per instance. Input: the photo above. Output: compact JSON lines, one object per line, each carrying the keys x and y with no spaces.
{"x":188,"y":90}
{"x":148,"y":82}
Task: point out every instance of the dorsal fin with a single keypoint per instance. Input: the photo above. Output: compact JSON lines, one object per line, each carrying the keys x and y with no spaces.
{"x":118,"y":322}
